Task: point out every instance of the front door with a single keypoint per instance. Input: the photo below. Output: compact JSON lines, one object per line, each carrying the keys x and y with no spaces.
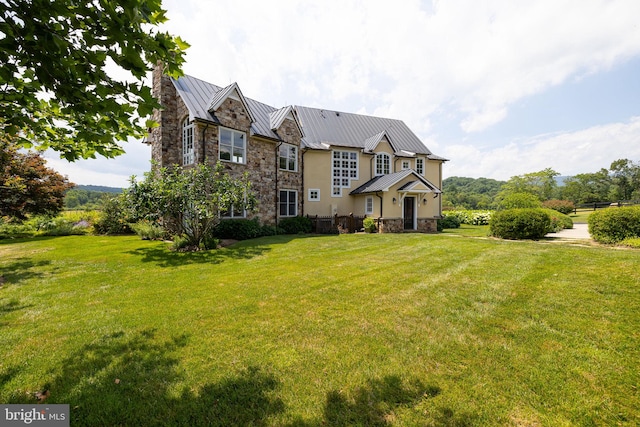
{"x":409,"y":213}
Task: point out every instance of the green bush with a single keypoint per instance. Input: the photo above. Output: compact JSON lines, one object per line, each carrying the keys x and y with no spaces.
{"x":238,"y":229}
{"x":449,"y":220}
{"x":113,"y":219}
{"x":613,"y":225}
{"x":11,"y":230}
{"x":148,"y":230}
{"x":563,"y":206}
{"x":559,"y":221}
{"x":632,"y":243}
{"x":480,"y":218}
{"x":295,"y":225}
{"x":519,"y":201}
{"x":369,"y":225}
{"x":517,"y":224}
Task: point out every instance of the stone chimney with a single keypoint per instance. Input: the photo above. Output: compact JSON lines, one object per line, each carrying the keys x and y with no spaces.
{"x":165,"y":138}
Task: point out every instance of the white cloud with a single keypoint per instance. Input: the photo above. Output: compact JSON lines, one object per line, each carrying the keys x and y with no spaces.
{"x":571,"y":153}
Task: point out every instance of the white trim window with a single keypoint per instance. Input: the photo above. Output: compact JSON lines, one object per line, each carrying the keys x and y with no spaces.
{"x":383,"y":164}
{"x":344,"y":168}
{"x":233,"y":146}
{"x":405,"y":165}
{"x":420,"y":166}
{"x":234,"y":213}
{"x":288,"y":203}
{"x":314,"y":195}
{"x":288,"y":155}
{"x":188,"y":152}
{"x":368,"y":205}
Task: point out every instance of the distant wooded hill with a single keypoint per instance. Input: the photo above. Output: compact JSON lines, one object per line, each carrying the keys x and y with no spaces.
{"x":85,"y":197}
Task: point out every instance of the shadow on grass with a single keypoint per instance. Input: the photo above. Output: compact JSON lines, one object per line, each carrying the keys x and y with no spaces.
{"x":10,"y":306}
{"x":163,"y":256}
{"x":20,"y":270}
{"x":126,"y":379}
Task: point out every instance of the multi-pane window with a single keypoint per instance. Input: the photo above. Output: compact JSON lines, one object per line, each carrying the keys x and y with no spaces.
{"x":344,"y":168}
{"x":405,"y":164}
{"x":368,"y":205}
{"x":314,"y":195}
{"x":288,"y":203}
{"x":188,"y":152}
{"x":288,"y":157}
{"x":233,"y":146}
{"x":383,"y":164}
{"x":420,"y":166}
{"x":234,"y":213}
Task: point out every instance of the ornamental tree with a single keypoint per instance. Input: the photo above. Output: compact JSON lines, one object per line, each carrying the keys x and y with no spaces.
{"x":27,"y":186}
{"x":190,"y":201}
{"x":57,"y":62}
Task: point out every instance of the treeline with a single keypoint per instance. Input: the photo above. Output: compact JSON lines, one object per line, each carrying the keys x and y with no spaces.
{"x":88,"y":197}
{"x":621,"y":182}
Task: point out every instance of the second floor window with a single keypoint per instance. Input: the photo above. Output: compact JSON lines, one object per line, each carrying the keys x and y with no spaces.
{"x":383,"y":164}
{"x":188,"y":153}
{"x":420,"y":166}
{"x":233,"y":146}
{"x":288,"y":157}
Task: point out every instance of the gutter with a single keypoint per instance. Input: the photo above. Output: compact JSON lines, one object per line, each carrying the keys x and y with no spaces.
{"x":380,"y":217}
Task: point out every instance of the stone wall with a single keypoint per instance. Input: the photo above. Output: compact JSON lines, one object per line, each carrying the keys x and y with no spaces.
{"x":427,"y":225}
{"x":261,"y":153}
{"x":396,"y":225}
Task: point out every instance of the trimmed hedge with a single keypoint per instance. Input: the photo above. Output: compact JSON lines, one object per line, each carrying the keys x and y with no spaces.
{"x":518,"y":224}
{"x":295,"y":225}
{"x":613,"y":225}
{"x":559,"y":221}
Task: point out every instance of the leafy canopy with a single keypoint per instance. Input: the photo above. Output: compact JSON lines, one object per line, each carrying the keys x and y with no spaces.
{"x":27,"y":186}
{"x":54,"y":61}
{"x":189,"y":201}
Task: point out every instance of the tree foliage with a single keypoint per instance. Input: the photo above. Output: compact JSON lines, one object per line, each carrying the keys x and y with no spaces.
{"x":57,"y":58}
{"x":189,"y":201}
{"x":27,"y":186}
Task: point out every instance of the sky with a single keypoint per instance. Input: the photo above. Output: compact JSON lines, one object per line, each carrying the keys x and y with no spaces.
{"x":500,"y":88}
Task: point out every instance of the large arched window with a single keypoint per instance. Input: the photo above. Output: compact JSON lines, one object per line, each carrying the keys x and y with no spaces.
{"x":383,"y":164}
{"x":188,"y":153}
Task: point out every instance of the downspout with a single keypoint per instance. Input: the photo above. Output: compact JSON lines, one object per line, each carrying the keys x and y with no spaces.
{"x":380,"y":217}
{"x":301,"y":165}
{"x":204,"y":153}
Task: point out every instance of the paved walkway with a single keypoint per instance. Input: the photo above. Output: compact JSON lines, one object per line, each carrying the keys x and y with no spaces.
{"x":579,"y":231}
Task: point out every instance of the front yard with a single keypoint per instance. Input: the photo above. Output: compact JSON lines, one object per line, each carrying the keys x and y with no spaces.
{"x":323,"y":330}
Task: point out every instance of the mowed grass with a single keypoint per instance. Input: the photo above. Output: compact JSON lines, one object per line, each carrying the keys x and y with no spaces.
{"x":329,"y":330}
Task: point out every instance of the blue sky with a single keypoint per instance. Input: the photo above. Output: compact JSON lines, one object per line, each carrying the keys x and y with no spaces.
{"x":501,"y":88}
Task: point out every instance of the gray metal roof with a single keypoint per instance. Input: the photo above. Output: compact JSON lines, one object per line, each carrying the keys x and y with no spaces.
{"x":355,"y":130}
{"x":199,"y":95}
{"x":321,"y":128}
{"x":384,"y":182}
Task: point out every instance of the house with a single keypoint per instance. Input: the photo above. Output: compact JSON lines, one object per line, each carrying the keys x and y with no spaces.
{"x":300,"y":160}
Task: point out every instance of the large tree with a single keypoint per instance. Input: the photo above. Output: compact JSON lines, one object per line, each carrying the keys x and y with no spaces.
{"x":625,"y":175}
{"x":189,"y":202}
{"x":27,"y":186}
{"x":57,"y":62}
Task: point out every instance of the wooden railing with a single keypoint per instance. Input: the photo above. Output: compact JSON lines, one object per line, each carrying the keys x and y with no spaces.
{"x":336,"y":224}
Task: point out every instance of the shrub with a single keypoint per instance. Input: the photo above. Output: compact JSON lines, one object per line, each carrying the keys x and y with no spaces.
{"x":613,"y":225}
{"x":449,"y":220}
{"x":295,"y":225}
{"x":520,"y":224}
{"x":559,"y":221}
{"x":519,"y":201}
{"x":113,"y":219}
{"x":12,"y":229}
{"x":563,"y":206}
{"x":632,"y":243}
{"x":480,"y":218}
{"x":148,"y":230}
{"x":369,"y":225}
{"x":238,"y":229}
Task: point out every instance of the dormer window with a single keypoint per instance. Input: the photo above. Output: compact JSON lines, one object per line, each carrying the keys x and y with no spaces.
{"x":288,"y":157}
{"x":188,"y":153}
{"x":383,"y":164}
{"x":233,"y":146}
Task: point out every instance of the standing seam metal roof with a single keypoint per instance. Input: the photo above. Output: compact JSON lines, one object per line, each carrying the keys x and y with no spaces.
{"x":322,"y":128}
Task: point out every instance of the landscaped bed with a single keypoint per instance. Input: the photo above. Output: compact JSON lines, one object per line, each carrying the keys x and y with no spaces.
{"x":363,"y":329}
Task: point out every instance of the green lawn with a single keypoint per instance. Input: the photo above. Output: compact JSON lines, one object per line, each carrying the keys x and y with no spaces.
{"x":331,"y":330}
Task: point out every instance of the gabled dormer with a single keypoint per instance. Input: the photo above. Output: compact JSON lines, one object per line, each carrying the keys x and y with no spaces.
{"x":229,"y":106}
{"x":278,"y":117}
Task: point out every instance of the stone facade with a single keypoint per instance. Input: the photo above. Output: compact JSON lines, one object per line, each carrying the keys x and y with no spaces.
{"x":261,"y":160}
{"x":396,"y":225}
